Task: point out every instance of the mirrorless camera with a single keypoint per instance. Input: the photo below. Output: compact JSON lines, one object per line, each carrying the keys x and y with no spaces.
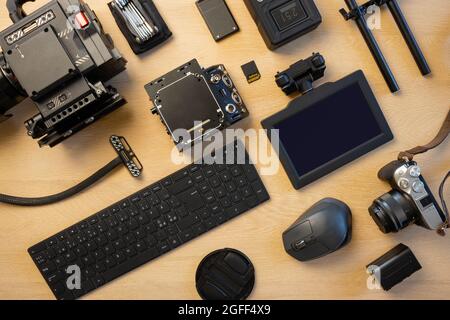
{"x":60,"y":57}
{"x":410,"y":200}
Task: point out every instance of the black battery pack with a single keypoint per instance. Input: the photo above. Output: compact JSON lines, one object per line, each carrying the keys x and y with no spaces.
{"x":281,"y":21}
{"x":140,"y":23}
{"x":394,"y":266}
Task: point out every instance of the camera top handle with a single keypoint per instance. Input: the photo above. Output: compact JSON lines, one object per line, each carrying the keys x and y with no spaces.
{"x":16,"y":12}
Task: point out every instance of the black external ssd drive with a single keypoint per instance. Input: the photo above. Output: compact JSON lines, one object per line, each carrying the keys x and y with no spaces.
{"x":218,"y":18}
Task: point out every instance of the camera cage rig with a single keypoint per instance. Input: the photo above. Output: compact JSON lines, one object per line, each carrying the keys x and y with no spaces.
{"x":59,"y":56}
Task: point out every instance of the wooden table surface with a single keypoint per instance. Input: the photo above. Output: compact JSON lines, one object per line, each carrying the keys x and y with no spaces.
{"x":414,"y":115}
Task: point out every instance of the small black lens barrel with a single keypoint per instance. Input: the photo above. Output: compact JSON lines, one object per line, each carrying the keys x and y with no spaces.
{"x":393,"y":212}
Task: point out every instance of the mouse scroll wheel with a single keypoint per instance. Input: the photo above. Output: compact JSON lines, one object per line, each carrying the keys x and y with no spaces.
{"x":299,"y":245}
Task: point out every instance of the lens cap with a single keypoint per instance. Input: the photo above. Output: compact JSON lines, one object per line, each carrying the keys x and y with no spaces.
{"x":225,"y":274}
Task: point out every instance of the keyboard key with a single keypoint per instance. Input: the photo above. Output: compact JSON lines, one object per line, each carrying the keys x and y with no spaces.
{"x":231,"y":187}
{"x":250,"y":172}
{"x":98,"y":281}
{"x":48,"y":267}
{"x":209,"y":171}
{"x":164,"y":247}
{"x":156,"y":188}
{"x":180,"y":175}
{"x":209,"y":197}
{"x":100,"y":267}
{"x":140,"y":246}
{"x":199,"y":229}
{"x":143,"y":205}
{"x":136,"y":198}
{"x":225,"y":176}
{"x":167,"y":182}
{"x":130,"y":252}
{"x":252,"y":201}
{"x":236,"y":197}
{"x":236,"y":210}
{"x":187,"y":235}
{"x":187,"y":222}
{"x":260,"y":191}
{"x":161,"y":235}
{"x":119,"y":256}
{"x":132,"y":224}
{"x":174,"y":242}
{"x":215,"y":182}
{"x":220,"y":192}
{"x":204,"y":213}
{"x":163,"y":207}
{"x":181,"y":186}
{"x":153,"y":213}
{"x":192,"y":200}
{"x":130,"y":239}
{"x":142,"y":219}
{"x":204,"y":187}
{"x":163,"y":194}
{"x":236,"y":171}
{"x":81,"y":251}
{"x":198,"y":177}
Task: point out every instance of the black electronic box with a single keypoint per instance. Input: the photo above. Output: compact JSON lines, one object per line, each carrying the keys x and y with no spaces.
{"x":281,"y":21}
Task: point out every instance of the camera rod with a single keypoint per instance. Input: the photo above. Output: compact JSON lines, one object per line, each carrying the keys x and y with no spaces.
{"x":358,"y":13}
{"x":407,"y":35}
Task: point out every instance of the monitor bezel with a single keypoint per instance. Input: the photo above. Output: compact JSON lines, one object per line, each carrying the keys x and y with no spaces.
{"x":310,"y":99}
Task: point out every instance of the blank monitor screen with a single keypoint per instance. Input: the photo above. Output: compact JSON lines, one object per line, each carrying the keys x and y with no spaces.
{"x":324,"y":131}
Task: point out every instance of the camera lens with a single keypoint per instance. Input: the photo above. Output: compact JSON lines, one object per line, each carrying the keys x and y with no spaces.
{"x":10,"y":95}
{"x":393,"y":212}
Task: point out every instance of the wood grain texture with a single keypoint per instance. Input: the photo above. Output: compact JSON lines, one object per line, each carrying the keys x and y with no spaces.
{"x":414,"y":115}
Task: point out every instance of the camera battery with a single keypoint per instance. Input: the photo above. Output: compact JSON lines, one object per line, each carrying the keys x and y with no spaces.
{"x":281,"y":21}
{"x":393,"y":267}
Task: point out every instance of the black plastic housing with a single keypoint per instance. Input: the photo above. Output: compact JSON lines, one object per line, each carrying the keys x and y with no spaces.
{"x":275,"y":19}
{"x":61,"y":66}
{"x":394,"y":266}
{"x":148,"y":11}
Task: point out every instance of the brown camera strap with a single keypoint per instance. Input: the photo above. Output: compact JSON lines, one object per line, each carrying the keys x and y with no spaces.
{"x":441,"y":136}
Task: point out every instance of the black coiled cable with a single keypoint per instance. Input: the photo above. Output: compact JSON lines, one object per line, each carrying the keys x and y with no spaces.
{"x":42,"y":201}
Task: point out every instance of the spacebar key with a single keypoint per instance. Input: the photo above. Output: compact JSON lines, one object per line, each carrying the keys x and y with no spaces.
{"x":130,"y":264}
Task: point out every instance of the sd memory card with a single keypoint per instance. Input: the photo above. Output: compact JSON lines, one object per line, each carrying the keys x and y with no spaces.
{"x":251,"y":72}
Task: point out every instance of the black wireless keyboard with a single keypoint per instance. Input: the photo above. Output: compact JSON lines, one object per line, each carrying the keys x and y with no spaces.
{"x":147,"y":224}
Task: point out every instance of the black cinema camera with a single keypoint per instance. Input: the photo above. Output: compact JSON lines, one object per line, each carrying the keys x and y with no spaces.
{"x":59,"y":56}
